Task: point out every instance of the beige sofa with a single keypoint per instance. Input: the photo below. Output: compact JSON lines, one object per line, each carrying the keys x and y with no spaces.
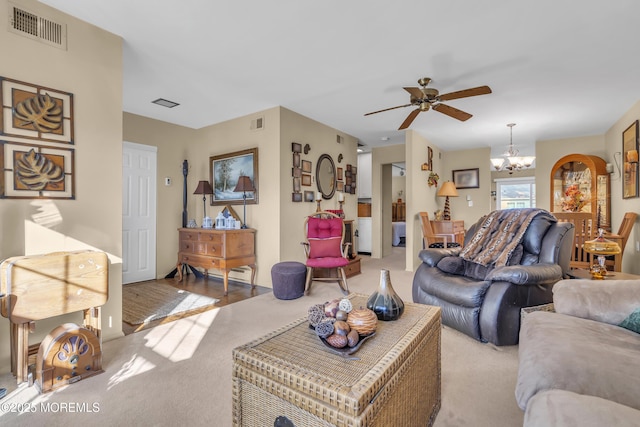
{"x":576,"y":365}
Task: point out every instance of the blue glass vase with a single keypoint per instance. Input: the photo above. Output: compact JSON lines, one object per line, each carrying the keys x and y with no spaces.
{"x":384,"y":302}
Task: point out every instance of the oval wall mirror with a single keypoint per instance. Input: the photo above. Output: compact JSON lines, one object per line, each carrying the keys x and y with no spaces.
{"x":326,"y":176}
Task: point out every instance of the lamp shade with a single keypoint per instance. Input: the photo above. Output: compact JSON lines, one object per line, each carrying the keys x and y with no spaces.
{"x":203,"y":188}
{"x":448,"y":189}
{"x":244,"y":184}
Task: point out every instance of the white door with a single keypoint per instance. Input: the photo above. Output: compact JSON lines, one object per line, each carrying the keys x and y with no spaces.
{"x":138,"y":212}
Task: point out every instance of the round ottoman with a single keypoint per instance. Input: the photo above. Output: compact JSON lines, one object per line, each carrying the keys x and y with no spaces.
{"x":288,"y":279}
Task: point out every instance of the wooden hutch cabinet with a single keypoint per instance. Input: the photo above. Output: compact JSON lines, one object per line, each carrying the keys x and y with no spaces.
{"x":580,"y":183}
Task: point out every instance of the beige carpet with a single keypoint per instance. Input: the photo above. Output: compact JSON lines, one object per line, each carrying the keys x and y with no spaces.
{"x":145,"y":302}
{"x":180,"y":373}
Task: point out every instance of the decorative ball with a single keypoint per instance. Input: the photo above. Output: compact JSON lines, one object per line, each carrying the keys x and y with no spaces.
{"x":353,"y":338}
{"x":331,"y":308}
{"x":315,"y":314}
{"x":345,"y":305}
{"x":315,"y":317}
{"x":324,"y":329}
{"x":363,"y":320}
{"x":337,"y":341}
{"x":341,"y":315}
{"x":341,"y":328}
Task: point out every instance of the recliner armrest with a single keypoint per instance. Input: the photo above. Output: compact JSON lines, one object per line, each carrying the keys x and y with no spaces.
{"x":432,"y":256}
{"x":538,"y":274}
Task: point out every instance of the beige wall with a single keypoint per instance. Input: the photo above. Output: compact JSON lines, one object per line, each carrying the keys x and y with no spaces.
{"x":481,"y":197}
{"x":550,"y":151}
{"x":276,"y":218}
{"x":91,"y":69}
{"x":612,"y":145}
{"x":322,"y":140}
{"x":381,"y":160}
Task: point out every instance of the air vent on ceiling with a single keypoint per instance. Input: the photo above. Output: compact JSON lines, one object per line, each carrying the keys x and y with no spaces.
{"x":29,"y":24}
{"x":165,"y":103}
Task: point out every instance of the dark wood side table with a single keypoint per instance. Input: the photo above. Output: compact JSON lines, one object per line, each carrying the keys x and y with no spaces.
{"x":217,"y":248}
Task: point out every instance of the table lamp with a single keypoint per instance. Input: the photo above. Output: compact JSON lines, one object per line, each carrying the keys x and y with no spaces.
{"x":601,"y":247}
{"x":204,"y":188}
{"x":447,"y":190}
{"x":244,"y":184}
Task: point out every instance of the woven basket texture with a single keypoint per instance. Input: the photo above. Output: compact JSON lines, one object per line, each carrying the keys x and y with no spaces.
{"x":395,"y":381}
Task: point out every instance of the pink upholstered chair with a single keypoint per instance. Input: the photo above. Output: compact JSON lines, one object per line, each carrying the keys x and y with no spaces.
{"x":325,"y":249}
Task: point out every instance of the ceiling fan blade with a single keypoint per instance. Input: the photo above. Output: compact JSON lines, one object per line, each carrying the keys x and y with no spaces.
{"x":452,"y":112}
{"x":480,"y":90}
{"x":407,"y":122}
{"x":387,"y":109}
{"x":415,"y":92}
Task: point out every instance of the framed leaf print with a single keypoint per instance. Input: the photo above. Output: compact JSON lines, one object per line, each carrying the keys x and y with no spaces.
{"x":35,"y":112}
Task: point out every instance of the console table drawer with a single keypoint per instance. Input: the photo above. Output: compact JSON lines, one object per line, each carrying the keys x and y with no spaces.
{"x":219,"y":249}
{"x":205,"y":262}
{"x":189,"y":236}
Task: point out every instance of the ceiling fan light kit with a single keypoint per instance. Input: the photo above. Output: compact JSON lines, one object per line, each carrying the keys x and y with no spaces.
{"x":511,"y":161}
{"x":427,"y":98}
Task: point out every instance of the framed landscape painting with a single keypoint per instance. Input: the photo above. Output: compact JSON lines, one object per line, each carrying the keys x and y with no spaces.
{"x":224,"y":171}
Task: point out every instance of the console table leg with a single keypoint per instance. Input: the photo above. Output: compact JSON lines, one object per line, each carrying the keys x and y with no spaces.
{"x":253,"y":275}
{"x":226,"y":282}
{"x":179,"y":271}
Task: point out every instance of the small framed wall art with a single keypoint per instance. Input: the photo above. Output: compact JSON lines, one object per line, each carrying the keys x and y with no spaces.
{"x":466,"y":178}
{"x":35,"y":112}
{"x":32,"y":171}
{"x":630,"y":161}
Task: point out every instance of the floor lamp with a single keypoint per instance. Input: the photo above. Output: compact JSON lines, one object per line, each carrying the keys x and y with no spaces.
{"x":447,"y":190}
{"x":244,"y":184}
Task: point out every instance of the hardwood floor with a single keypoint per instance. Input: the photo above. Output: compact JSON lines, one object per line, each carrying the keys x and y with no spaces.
{"x":205,"y":286}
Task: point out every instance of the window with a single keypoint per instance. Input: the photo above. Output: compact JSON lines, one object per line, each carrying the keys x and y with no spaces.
{"x":512,"y":193}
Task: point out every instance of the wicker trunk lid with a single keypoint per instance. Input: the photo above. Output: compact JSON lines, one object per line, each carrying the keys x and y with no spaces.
{"x":289,"y":377}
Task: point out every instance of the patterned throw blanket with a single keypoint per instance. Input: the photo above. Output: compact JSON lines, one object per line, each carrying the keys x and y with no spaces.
{"x":499,"y":234}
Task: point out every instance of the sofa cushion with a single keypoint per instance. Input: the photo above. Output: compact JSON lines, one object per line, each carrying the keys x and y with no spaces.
{"x":460,"y":266}
{"x":556,"y":408}
{"x":452,"y":265}
{"x":584,"y":356}
{"x":632,"y":322}
{"x":610,"y":301}
{"x":320,"y":248}
{"x":532,"y":239}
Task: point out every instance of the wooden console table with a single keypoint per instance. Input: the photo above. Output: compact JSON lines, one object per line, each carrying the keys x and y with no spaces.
{"x":219,"y":249}
{"x":454,"y":229}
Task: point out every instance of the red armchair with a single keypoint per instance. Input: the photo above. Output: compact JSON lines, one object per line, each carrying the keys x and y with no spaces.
{"x":325,"y":248}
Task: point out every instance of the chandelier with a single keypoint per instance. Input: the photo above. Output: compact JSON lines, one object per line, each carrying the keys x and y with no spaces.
{"x":511,"y":161}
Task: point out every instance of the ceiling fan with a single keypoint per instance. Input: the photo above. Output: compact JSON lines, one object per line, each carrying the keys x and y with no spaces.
{"x":429,"y":98}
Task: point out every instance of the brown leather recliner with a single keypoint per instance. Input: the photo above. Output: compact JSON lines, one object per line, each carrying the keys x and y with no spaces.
{"x":484,"y":302}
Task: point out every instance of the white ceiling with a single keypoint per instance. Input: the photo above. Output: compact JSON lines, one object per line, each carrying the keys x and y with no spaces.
{"x":557,"y":68}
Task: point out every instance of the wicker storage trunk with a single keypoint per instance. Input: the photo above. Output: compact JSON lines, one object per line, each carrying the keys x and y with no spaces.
{"x":289,"y":378}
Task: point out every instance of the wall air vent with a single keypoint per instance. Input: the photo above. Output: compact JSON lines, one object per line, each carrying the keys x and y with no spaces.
{"x":29,"y":24}
{"x":257,"y":124}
